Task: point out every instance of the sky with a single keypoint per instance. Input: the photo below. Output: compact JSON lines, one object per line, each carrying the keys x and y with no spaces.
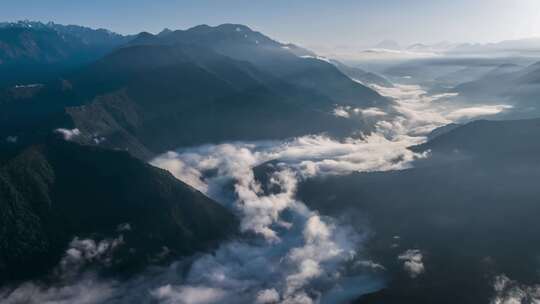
{"x":311,"y":23}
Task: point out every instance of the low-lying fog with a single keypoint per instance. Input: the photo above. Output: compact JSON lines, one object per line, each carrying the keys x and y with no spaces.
{"x":287,"y":253}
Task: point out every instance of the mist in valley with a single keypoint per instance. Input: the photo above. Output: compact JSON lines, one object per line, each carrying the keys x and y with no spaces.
{"x":218,"y":164}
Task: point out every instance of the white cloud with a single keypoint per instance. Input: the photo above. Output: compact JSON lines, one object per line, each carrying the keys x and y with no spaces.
{"x":444,"y":95}
{"x":87,"y":290}
{"x":341,"y":112}
{"x":321,"y":58}
{"x":386,"y":54}
{"x":83,"y":251}
{"x":300,"y":250}
{"x":412,"y":262}
{"x":350,"y":112}
{"x":267,"y":296}
{"x":372,"y":112}
{"x":479,"y":111}
{"x":67,"y":133}
{"x":417,"y":113}
{"x":369,"y":264}
{"x":288,"y":253}
{"x":98,"y":139}
{"x":188,"y":295}
{"x":508,"y":291}
{"x":189,"y":175}
{"x":77,"y":288}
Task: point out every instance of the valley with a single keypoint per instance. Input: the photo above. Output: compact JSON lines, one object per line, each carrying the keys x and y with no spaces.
{"x":218,"y":165}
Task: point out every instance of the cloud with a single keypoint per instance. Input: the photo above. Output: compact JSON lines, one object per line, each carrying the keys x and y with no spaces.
{"x":508,"y":291}
{"x":350,"y":112}
{"x":387,"y":54}
{"x":369,"y":264}
{"x":412,"y":262}
{"x":341,"y":112}
{"x":479,"y":111}
{"x":414,"y":112}
{"x":267,"y":296}
{"x":300,"y":157}
{"x":372,"y":112}
{"x":301,"y":250}
{"x":417,"y":113}
{"x":287,"y":252}
{"x":68,"y":134}
{"x":187,"y":294}
{"x":98,"y":139}
{"x":87,"y":251}
{"x":73,"y":287}
{"x":444,"y":95}
{"x":321,"y":58}
{"x":187,"y":174}
{"x":87,"y":290}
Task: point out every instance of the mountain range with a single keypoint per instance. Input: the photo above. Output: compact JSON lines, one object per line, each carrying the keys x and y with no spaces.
{"x":515,"y":85}
{"x":150,"y":94}
{"x":87,"y":108}
{"x":83,"y":111}
{"x":470,"y":209}
{"x":33,"y":51}
{"x":507,"y":46}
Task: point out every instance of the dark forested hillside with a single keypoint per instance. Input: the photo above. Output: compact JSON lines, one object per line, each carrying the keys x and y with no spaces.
{"x":33,"y":51}
{"x":241,"y":43}
{"x":53,"y":192}
{"x":119,"y":100}
{"x":206,"y":84}
{"x":471,"y":209}
{"x":168,"y":96}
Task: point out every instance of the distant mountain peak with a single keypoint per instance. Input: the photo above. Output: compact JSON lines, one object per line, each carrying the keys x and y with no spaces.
{"x":26,"y":23}
{"x":164,"y":32}
{"x":143,"y":38}
{"x":224,"y":28}
{"x":200,"y":27}
{"x":144,"y":35}
{"x":86,"y":34}
{"x":234,"y":27}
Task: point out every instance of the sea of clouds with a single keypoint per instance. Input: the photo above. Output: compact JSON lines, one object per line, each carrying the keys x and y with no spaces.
{"x":287,"y":253}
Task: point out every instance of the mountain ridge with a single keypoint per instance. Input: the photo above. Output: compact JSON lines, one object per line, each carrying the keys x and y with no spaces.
{"x":39,"y":185}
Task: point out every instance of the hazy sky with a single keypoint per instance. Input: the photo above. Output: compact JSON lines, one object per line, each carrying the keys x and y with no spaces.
{"x":311,"y":23}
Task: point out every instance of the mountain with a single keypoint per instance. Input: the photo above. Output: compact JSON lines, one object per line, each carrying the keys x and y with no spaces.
{"x":442,"y":130}
{"x":364,"y":77}
{"x":495,"y":81}
{"x":443,"y":73}
{"x":153,"y":98}
{"x":181,"y":88}
{"x":241,"y":43}
{"x":512,"y":84}
{"x":51,"y":42}
{"x":485,"y":139}
{"x":506,"y":48}
{"x":517,"y":47}
{"x":56,"y":191}
{"x":298,"y":51}
{"x":32,"y":51}
{"x":468,"y":73}
{"x":470,"y":210}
